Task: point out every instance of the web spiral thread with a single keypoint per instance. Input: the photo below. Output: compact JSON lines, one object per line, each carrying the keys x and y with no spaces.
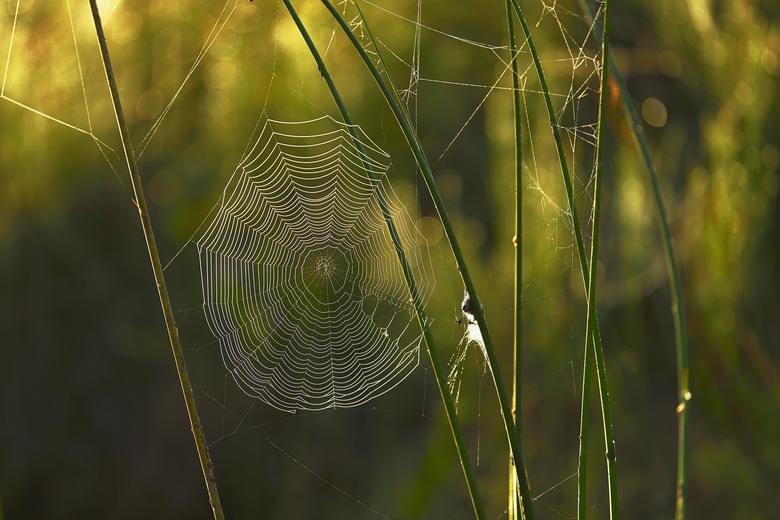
{"x":301,"y":281}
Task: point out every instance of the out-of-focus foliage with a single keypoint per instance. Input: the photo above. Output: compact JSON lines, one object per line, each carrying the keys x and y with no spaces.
{"x":92,"y":423}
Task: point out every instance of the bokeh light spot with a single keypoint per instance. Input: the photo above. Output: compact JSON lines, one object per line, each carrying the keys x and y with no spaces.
{"x":126,"y":27}
{"x":770,"y":156}
{"x":654,"y":112}
{"x":220,"y":74}
{"x":633,"y":192}
{"x":430,"y":229}
{"x":744,"y":93}
{"x":770,"y":60}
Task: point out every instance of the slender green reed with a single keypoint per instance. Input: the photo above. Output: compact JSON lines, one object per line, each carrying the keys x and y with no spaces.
{"x":514,"y":497}
{"x":591,"y":325}
{"x":593,"y":333}
{"x":582,"y":456}
{"x":438,"y":369}
{"x":675,"y":282}
{"x":404,"y":121}
{"x":159,"y":276}
{"x":678,"y":301}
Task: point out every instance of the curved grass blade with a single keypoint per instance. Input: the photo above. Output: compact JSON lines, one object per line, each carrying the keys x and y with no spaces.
{"x":675,"y":282}
{"x":438,"y":370}
{"x":404,"y":121}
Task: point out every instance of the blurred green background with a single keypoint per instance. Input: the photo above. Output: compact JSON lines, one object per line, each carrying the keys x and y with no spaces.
{"x":92,"y":423}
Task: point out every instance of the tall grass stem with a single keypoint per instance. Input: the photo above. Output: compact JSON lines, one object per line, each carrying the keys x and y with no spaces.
{"x":438,"y":369}
{"x":593,"y":334}
{"x":591,"y":327}
{"x":514,"y":497}
{"x":159,"y":276}
{"x":675,"y":282}
{"x":404,"y":121}
{"x":582,"y":460}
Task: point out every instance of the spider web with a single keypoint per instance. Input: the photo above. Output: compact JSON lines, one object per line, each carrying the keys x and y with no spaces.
{"x":288,"y":287}
{"x":301,"y":281}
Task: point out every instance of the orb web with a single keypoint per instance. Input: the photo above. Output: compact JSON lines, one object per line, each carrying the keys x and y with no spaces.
{"x":301,"y":281}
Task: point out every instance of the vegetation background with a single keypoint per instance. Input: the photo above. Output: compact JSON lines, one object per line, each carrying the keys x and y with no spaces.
{"x":92,"y":422}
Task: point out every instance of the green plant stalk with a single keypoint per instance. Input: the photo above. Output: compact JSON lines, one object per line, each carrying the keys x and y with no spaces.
{"x":438,"y":369}
{"x":678,"y":302}
{"x":590,"y":327}
{"x":159,"y":277}
{"x":584,"y":265}
{"x":558,"y":143}
{"x":514,"y":497}
{"x":675,"y":281}
{"x":404,"y":122}
{"x":582,"y":466}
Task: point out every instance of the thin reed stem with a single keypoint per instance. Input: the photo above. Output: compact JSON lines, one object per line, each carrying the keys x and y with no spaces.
{"x":514,"y":497}
{"x":404,"y":121}
{"x":582,"y":458}
{"x":159,"y":277}
{"x":438,"y":369}
{"x":591,"y":325}
{"x":675,"y":282}
{"x":593,"y":333}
